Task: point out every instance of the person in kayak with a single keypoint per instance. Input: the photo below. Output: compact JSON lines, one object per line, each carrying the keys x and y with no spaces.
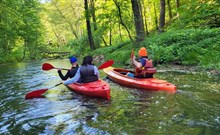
{"x":70,"y":73}
{"x":144,"y":66}
{"x":86,"y":73}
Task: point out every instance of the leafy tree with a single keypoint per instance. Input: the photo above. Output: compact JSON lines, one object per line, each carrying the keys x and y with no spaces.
{"x":31,"y":29}
{"x":20,"y":29}
{"x":119,"y":4}
{"x":195,"y":14}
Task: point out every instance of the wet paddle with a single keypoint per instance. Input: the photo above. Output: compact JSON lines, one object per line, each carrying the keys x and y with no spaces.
{"x":106,"y":64}
{"x":48,"y":66}
{"x":39,"y":93}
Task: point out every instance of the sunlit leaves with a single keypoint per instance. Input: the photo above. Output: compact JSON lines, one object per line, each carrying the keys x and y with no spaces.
{"x":20,"y":23}
{"x":199,"y":14}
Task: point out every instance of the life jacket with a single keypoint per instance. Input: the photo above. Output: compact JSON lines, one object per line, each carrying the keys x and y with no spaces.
{"x":146,"y":71}
{"x":87,"y":74}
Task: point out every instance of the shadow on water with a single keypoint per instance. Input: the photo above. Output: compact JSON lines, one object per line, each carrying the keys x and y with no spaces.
{"x":194,"y":109}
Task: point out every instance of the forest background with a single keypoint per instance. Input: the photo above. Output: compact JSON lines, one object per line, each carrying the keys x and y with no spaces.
{"x":183,"y":32}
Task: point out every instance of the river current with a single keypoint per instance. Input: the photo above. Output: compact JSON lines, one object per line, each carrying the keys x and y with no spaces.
{"x":193,"y":110}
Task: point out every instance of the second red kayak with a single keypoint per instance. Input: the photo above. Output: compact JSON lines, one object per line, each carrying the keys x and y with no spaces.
{"x":118,"y":75}
{"x":99,"y":89}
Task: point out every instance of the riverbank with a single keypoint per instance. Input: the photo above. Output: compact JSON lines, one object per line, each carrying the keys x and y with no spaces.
{"x":164,"y":67}
{"x":174,"y":67}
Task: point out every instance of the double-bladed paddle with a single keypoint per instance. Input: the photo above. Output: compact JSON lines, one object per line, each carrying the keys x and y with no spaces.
{"x":46,"y":66}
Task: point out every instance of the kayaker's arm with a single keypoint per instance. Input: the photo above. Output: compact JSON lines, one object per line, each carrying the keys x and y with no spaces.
{"x":96,"y":71}
{"x":62,"y":76}
{"x":74,"y":79}
{"x":136,"y":63}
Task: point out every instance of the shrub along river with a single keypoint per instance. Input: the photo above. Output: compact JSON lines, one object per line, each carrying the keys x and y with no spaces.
{"x":193,"y":110}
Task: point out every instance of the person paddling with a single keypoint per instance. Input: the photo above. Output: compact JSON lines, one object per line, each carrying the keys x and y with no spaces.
{"x":144,"y":66}
{"x":86,"y":73}
{"x":70,"y":73}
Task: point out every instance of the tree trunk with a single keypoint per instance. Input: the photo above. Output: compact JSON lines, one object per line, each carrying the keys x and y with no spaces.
{"x":177,"y":7}
{"x":94,"y":19}
{"x":58,"y":38}
{"x":139,"y":26}
{"x":91,"y":43}
{"x":177,"y":3}
{"x":121,"y":20}
{"x":145,"y":17}
{"x":92,"y":9}
{"x":169,"y":10}
{"x":155,"y":18}
{"x":162,"y":16}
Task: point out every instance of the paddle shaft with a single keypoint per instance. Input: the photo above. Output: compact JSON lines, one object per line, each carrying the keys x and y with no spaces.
{"x":39,"y":93}
{"x":99,"y":68}
{"x":60,"y":68}
{"x":48,"y":66}
{"x":55,"y":85}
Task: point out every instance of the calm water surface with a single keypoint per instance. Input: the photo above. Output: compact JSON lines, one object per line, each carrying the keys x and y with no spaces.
{"x":193,"y":110}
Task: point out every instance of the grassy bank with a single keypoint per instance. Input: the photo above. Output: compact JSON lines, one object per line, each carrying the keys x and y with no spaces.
{"x":191,"y":47}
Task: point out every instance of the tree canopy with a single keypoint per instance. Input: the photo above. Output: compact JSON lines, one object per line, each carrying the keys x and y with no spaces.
{"x":30,"y":28}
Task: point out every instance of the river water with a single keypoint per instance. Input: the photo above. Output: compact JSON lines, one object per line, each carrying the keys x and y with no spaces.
{"x":193,"y":110}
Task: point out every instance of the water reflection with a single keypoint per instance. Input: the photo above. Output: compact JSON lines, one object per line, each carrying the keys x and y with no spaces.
{"x":194,"y":109}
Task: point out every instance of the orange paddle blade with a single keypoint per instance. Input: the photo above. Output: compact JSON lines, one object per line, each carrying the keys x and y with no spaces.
{"x":36,"y":94}
{"x":106,"y":64}
{"x":47,"y":66}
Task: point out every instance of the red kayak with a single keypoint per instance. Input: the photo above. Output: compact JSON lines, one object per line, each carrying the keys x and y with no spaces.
{"x":98,"y":89}
{"x":118,"y":75}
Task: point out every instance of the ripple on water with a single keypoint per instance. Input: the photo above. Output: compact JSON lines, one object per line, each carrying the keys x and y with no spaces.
{"x":194,"y":108}
{"x":218,"y":120}
{"x":192,"y":123}
{"x":44,"y":108}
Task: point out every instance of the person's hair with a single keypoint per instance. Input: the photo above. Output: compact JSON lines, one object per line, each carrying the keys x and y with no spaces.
{"x":87,"y":60}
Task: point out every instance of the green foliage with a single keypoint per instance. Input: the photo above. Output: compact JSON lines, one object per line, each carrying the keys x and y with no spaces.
{"x":198,"y":14}
{"x":22,"y":34}
{"x":21,"y":29}
{"x":79,"y":47}
{"x":120,"y":53}
{"x":185,"y":46}
{"x":161,"y":54}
